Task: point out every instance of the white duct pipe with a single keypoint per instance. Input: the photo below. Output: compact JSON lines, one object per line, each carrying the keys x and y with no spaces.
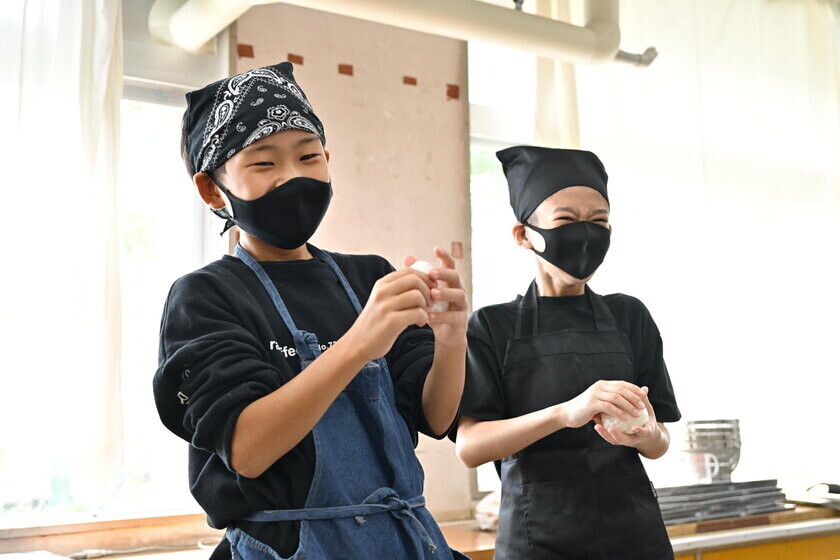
{"x":191,"y":24}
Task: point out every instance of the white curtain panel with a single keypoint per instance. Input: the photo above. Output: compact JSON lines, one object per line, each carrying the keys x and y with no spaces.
{"x":59,"y":401}
{"x":724,"y":163}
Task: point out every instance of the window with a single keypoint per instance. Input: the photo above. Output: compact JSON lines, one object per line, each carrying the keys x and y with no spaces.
{"x":94,"y":445}
{"x":502,"y":105}
{"x":161,"y":229}
{"x":502,"y":93}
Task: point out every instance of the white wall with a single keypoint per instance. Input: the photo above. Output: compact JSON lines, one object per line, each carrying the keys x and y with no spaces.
{"x":724,"y":163}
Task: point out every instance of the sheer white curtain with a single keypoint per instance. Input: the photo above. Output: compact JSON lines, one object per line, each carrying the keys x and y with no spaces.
{"x":724,"y":163}
{"x":59,"y":408}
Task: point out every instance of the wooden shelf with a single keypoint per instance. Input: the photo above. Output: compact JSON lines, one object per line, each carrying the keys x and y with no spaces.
{"x":801,"y":513}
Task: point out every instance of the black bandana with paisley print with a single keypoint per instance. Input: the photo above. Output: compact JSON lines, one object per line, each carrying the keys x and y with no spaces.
{"x":229,"y":115}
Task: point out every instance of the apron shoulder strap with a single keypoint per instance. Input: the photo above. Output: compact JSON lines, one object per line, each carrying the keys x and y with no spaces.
{"x":305,"y":342}
{"x":324,"y":256}
{"x":526,"y":313}
{"x":268,"y":286}
{"x":603,"y":316}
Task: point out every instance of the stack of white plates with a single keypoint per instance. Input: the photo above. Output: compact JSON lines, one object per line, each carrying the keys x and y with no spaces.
{"x":716,"y":444}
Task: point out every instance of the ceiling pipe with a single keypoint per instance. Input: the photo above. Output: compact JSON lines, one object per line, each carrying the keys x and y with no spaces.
{"x":193,"y":23}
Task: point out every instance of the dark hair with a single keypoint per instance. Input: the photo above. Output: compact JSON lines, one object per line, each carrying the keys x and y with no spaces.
{"x":185,"y":154}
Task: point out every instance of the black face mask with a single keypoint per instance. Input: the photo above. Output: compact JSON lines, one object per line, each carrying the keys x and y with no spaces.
{"x":285,"y":217}
{"x":578,"y":248}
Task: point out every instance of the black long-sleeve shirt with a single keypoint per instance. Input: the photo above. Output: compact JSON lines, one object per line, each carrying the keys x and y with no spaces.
{"x":223,"y":346}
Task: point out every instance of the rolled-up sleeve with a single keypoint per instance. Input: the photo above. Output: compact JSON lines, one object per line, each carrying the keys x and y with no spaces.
{"x":210,"y":368}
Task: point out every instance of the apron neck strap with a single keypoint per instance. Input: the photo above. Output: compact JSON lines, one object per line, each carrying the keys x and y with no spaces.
{"x":527,"y":312}
{"x":603,"y":316}
{"x":306,"y":343}
{"x":318,"y":253}
{"x":269,"y":287}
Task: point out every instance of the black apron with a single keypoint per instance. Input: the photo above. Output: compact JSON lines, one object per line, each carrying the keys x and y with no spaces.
{"x":572,"y":495}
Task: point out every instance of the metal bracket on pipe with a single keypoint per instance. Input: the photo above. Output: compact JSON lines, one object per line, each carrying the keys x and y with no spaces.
{"x":644,"y":59}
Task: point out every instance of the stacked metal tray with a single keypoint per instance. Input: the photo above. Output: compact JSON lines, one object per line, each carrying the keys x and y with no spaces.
{"x":719,"y":500}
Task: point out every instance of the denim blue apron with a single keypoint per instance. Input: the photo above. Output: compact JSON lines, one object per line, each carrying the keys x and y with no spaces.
{"x":365,"y":500}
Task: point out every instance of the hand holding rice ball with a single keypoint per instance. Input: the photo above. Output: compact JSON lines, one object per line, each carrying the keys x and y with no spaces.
{"x":626,"y":426}
{"x":425,"y":268}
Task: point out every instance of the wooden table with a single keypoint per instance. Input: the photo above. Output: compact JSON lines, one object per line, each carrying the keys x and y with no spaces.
{"x":466,"y":537}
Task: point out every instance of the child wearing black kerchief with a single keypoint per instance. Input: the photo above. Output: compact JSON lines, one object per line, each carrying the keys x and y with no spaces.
{"x":566,"y":388}
{"x":301,"y":377}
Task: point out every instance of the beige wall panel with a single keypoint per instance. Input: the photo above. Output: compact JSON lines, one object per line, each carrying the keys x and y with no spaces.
{"x":399,"y":153}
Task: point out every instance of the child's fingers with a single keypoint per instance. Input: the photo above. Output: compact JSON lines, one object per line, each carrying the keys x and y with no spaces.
{"x":610,"y":408}
{"x":629,"y":391}
{"x":649,"y":407}
{"x":407,"y":278}
{"x":447,"y":317}
{"x":640,"y":394}
{"x":446,"y":260}
{"x":620,"y":401}
{"x":602,"y":431}
{"x":407,"y":300}
{"x":406,"y":283}
{"x":403,"y":272}
{"x":448,"y":275}
{"x":623,"y":439}
{"x":414,"y":316}
{"x":409,"y":260}
{"x":456,"y":297}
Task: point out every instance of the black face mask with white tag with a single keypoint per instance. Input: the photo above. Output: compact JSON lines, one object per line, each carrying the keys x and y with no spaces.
{"x":578,"y":249}
{"x":285,"y":217}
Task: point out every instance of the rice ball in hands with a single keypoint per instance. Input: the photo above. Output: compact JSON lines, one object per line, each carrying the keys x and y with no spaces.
{"x":626,"y":426}
{"x":438,"y":306}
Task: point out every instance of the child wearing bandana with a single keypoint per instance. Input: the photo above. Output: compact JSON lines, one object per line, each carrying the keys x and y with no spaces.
{"x":301,"y":377}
